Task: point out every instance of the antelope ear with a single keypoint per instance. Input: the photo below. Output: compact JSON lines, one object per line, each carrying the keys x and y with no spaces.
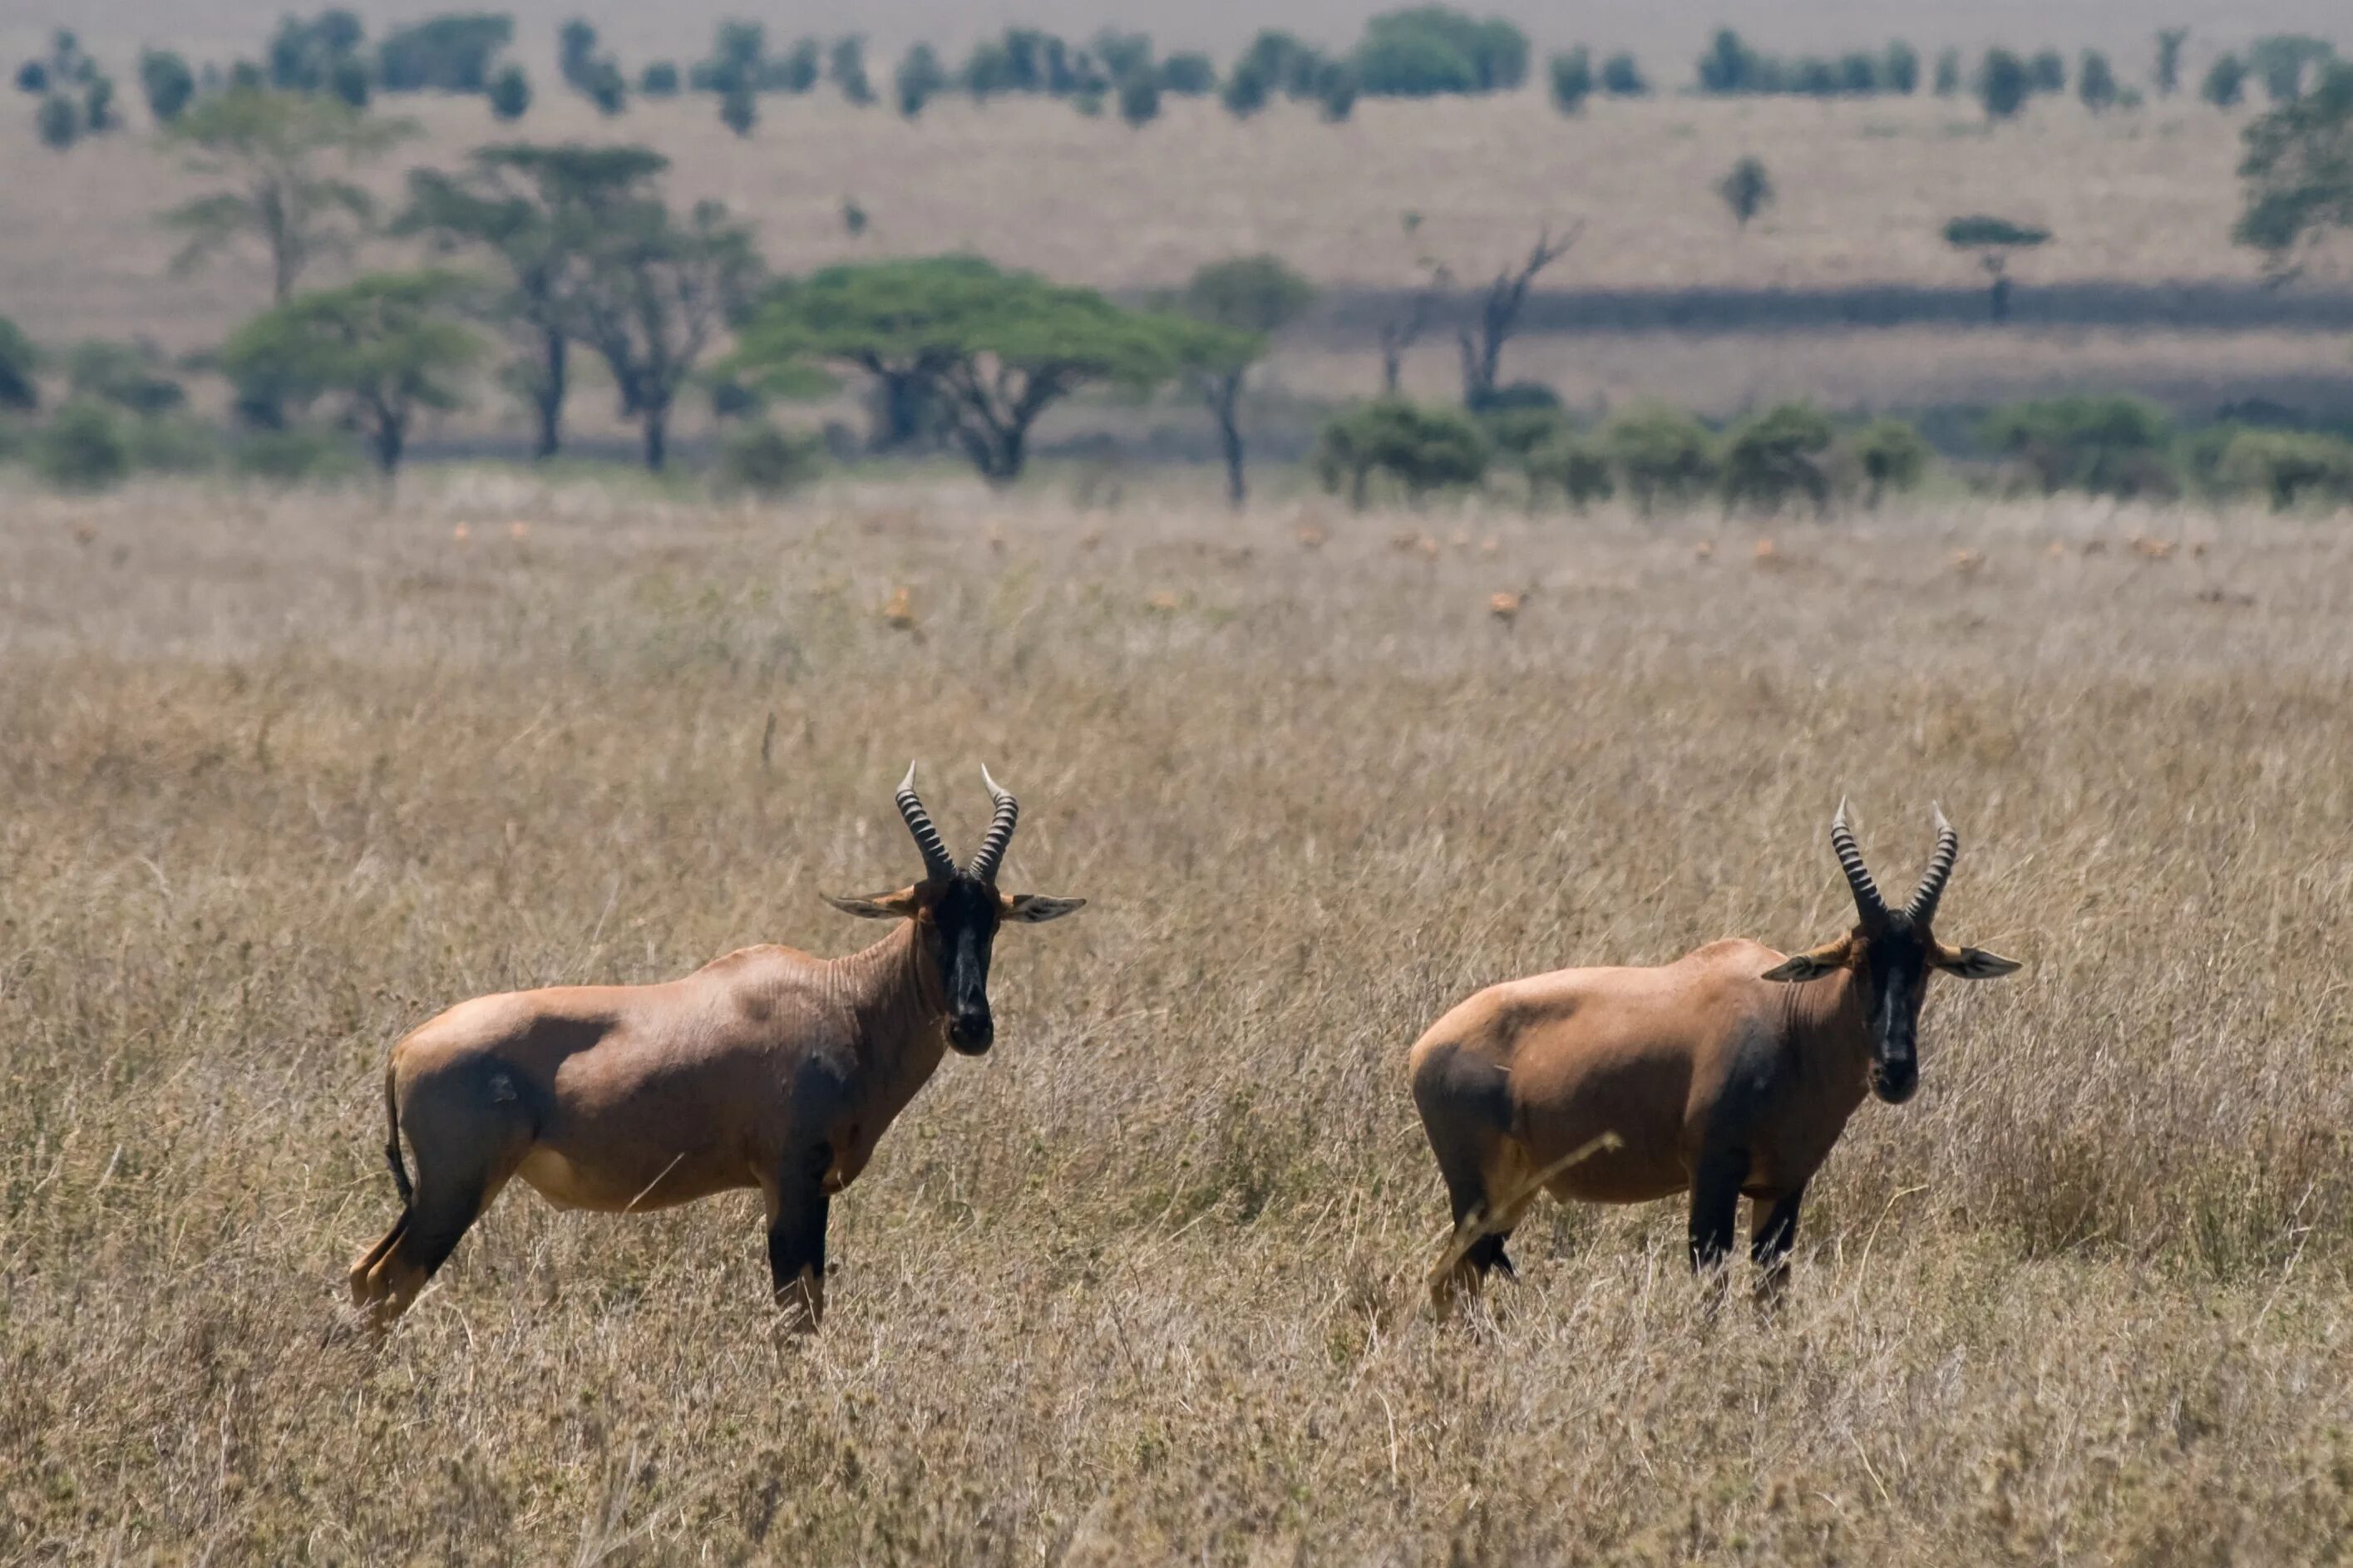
{"x":1037,"y":909}
{"x":1972,"y":962}
{"x":898,"y":906}
{"x":1827,"y":959}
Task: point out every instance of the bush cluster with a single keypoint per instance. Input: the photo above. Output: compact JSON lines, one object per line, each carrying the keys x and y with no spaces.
{"x":2126,"y":447}
{"x":1784,"y":458}
{"x":1731,"y":68}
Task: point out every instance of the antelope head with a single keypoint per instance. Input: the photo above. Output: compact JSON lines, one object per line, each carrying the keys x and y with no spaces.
{"x":1892,"y":953}
{"x":957,"y":909}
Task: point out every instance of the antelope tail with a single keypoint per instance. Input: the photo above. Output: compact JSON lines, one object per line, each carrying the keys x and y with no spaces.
{"x":392,"y":1140}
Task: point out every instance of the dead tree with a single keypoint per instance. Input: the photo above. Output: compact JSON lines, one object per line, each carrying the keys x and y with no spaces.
{"x":1490,"y":326}
{"x":1405,"y":329}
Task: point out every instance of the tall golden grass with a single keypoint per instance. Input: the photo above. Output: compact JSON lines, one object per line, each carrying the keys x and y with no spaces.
{"x":284,"y":775}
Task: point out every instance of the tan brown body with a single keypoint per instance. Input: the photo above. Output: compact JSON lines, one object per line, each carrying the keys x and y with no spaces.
{"x":1728,"y":1073}
{"x":1613,"y":1085}
{"x":768,"y":1068}
{"x":621,"y":1097}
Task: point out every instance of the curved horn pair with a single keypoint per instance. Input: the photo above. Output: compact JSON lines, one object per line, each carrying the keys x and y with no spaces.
{"x":938,"y":864}
{"x":1867,"y":901}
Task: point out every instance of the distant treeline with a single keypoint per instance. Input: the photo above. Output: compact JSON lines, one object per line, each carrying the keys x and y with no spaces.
{"x":1419,"y":51}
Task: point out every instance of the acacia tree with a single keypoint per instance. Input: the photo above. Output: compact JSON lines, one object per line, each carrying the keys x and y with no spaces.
{"x":990,"y":350}
{"x":385,"y":348}
{"x":273,"y":148}
{"x":1993,"y":239}
{"x":2298,"y":174}
{"x":539,"y":211}
{"x":656,"y":292}
{"x":1248,"y":300}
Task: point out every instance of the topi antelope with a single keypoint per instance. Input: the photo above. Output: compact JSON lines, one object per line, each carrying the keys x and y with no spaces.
{"x":765,"y":1069}
{"x":1729,"y":1072}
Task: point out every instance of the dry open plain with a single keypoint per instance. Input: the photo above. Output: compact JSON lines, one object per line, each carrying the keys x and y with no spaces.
{"x":284,"y":775}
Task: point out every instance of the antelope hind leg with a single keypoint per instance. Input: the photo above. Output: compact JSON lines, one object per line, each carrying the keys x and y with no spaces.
{"x":362,"y":1284}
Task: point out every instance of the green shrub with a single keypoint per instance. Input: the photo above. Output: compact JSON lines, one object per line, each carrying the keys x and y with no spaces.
{"x":57,"y":121}
{"x":510,"y":94}
{"x":1774,"y":458}
{"x":124,"y":375}
{"x":1520,"y":397}
{"x":84,"y":448}
{"x":1336,"y":96}
{"x":1422,"y":447}
{"x":1570,"y":464}
{"x":1190,"y":74}
{"x":658,"y":80}
{"x":846,"y":63}
{"x":918,"y":79}
{"x":1284,"y":63}
{"x":348,"y":80}
{"x":1622,"y":77}
{"x":1658,"y":454}
{"x":762,"y":460}
{"x":2106,"y":444}
{"x":1410,"y":64}
{"x":168,"y":83}
{"x":2289,"y":467}
{"x":739,"y":109}
{"x":1426,"y":50}
{"x":173,"y":444}
{"x":1246,"y":91}
{"x":2047,"y":71}
{"x":1139,"y":98}
{"x":1900,"y":68}
{"x":1888,"y":455}
{"x":448,"y":53}
{"x":294,"y":457}
{"x":20,"y":362}
{"x":1572,"y":80}
{"x":2004,"y":84}
{"x":2095,"y":82}
{"x":2226,"y":82}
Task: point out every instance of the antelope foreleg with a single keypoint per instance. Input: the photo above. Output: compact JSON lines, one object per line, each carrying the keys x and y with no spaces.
{"x":1715,"y":1208}
{"x":1772,"y":1233}
{"x":797,"y":1209}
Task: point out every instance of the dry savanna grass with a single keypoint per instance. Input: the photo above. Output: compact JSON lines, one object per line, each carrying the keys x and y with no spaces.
{"x":285,"y":775}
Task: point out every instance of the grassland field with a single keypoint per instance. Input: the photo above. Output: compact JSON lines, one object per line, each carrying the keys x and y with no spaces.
{"x":285,"y":773}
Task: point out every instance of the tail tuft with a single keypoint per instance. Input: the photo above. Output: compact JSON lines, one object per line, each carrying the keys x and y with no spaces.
{"x":392,"y":1140}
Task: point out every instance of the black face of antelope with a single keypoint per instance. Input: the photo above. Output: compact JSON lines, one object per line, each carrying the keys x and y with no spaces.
{"x":1892,"y":953}
{"x":957,"y":909}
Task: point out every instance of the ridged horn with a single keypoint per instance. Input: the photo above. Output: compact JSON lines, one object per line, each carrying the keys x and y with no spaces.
{"x":938,"y":864}
{"x":991,"y":853}
{"x":1923,"y":908}
{"x":1867,"y":901}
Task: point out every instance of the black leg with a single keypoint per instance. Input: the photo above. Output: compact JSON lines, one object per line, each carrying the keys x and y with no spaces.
{"x":797,"y":1236}
{"x":1716,"y":1206}
{"x":1772,"y":1233}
